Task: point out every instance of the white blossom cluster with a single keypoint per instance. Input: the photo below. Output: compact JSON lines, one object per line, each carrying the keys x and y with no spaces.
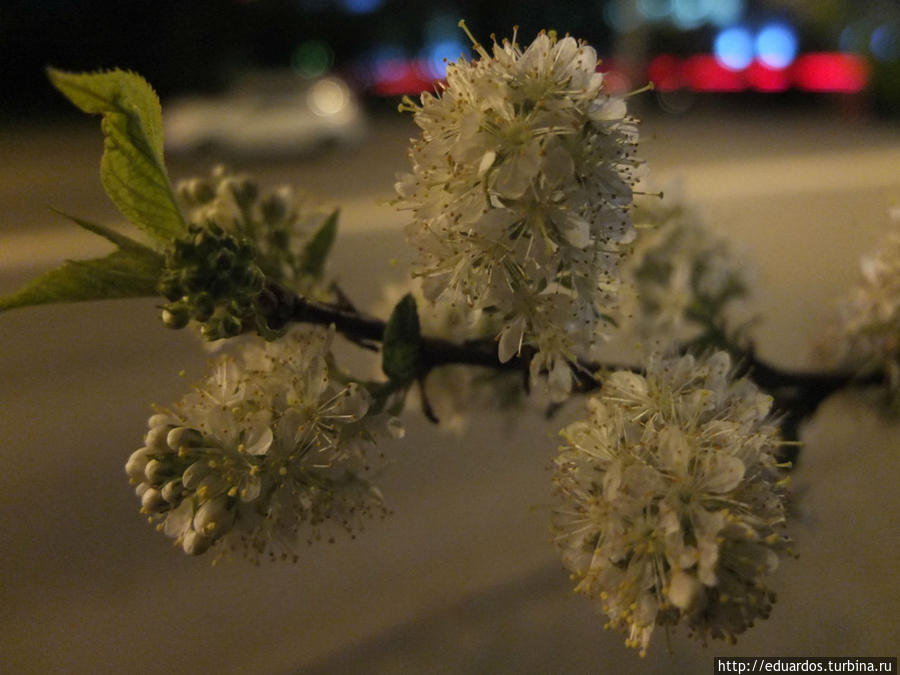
{"x":680,"y":274}
{"x":520,"y":192}
{"x":869,"y":327}
{"x":269,"y":444}
{"x":672,"y":502}
{"x":279,"y":223}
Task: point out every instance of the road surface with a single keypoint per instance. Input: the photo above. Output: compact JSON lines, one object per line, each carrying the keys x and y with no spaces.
{"x":462,"y":578}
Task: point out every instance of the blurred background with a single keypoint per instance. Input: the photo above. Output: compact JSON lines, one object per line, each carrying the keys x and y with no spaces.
{"x":778,"y":118}
{"x":790,"y":50}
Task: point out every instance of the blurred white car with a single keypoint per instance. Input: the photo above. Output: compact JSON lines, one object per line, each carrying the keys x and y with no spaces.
{"x":266,"y":114}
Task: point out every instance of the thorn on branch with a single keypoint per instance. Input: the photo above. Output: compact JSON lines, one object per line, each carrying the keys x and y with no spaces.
{"x":343,"y":300}
{"x":427,"y":410}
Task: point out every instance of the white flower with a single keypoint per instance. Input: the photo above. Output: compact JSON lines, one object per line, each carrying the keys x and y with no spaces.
{"x":680,"y":274}
{"x":521,"y":184}
{"x":671,"y":500}
{"x":868,"y":331}
{"x":266,"y":446}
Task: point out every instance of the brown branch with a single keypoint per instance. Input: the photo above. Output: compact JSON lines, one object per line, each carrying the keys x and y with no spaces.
{"x":797,"y":394}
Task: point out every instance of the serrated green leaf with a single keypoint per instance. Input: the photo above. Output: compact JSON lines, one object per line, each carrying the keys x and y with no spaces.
{"x":315,"y":254}
{"x":125,"y":273}
{"x":402,"y":358}
{"x":120,"y":240}
{"x":132,"y":169}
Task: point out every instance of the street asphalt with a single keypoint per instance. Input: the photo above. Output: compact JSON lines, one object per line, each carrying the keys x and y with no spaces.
{"x":462,"y":578}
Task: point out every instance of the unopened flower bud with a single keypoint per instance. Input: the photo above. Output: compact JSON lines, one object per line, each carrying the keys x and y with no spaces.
{"x":274,"y":207}
{"x":152,"y":501}
{"x":136,"y":464}
{"x":229,"y":244}
{"x":194,"y":280}
{"x":172,"y":491}
{"x":254,"y":280}
{"x":200,"y":190}
{"x":223,"y":260}
{"x":158,"y":472}
{"x":194,"y":543}
{"x":203,"y":238}
{"x":184,"y":437}
{"x":170,"y":288}
{"x":244,"y":251}
{"x":228,"y":186}
{"x":211,"y":330}
{"x":156,"y":439}
{"x":176,"y":318}
{"x":204,"y":306}
{"x":231,"y":326}
{"x":160,"y":419}
{"x":245,"y":191}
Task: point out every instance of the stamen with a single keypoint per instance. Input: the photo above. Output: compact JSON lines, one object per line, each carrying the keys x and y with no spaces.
{"x":477,"y":45}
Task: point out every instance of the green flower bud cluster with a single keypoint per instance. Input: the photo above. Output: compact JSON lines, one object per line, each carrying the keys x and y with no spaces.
{"x":211,"y":277}
{"x":275,"y":221}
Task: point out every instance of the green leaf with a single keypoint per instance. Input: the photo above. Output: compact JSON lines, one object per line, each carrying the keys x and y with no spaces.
{"x":132,"y":169}
{"x":316,"y":252}
{"x":131,"y":271}
{"x":403,"y":358}
{"x":117,"y":238}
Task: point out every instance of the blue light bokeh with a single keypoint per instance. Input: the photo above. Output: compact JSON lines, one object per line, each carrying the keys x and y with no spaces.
{"x":776,"y":45}
{"x":885,"y":43}
{"x":434,"y":54}
{"x":733,"y":48}
{"x":360,"y":6}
